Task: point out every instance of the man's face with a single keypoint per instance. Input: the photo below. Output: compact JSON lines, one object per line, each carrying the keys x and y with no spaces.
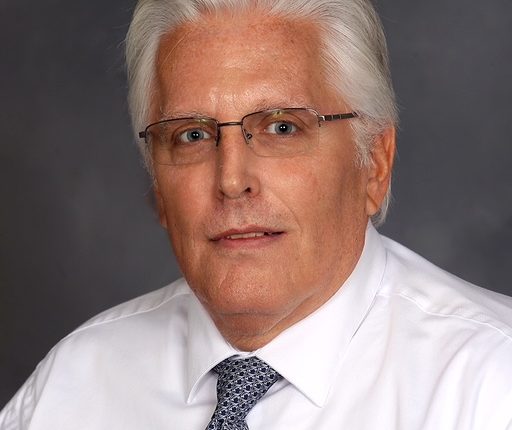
{"x":312,"y":207}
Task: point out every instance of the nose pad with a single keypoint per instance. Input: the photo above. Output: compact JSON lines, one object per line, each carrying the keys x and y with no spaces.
{"x":247,"y":136}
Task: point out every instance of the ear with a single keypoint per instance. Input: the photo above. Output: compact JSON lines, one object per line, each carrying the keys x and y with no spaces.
{"x":379,"y":172}
{"x":160,"y":207}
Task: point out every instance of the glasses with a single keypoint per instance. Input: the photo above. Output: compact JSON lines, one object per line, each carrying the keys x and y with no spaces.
{"x":269,"y":133}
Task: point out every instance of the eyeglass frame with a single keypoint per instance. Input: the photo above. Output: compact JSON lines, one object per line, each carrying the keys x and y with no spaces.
{"x":330,"y":117}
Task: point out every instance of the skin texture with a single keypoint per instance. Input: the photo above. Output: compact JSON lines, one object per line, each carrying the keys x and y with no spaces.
{"x":225,"y":67}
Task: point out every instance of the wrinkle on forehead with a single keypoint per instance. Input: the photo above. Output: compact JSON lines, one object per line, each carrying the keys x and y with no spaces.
{"x":225,"y":29}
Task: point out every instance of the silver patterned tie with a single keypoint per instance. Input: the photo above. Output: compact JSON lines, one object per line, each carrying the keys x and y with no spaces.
{"x":240,"y":385}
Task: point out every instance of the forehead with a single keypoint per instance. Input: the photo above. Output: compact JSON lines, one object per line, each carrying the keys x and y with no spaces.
{"x":240,"y":62}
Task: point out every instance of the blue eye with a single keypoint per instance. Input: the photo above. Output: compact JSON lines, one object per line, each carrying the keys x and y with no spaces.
{"x":282,"y":128}
{"x":194,"y":135}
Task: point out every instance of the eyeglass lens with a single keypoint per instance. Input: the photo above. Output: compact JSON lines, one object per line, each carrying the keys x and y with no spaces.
{"x":274,"y":133}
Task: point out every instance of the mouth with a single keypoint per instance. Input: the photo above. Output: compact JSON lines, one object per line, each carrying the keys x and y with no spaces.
{"x":246,"y":234}
{"x":251,"y":235}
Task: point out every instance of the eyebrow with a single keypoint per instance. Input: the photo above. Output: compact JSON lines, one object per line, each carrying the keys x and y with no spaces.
{"x":181,"y":114}
{"x":261,"y":105}
{"x":267,"y":104}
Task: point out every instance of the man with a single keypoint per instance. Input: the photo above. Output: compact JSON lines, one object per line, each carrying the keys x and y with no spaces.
{"x":269,"y":130}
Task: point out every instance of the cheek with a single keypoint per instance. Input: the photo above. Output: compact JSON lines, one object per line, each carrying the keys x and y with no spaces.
{"x":334,"y":213}
{"x":321,"y":192}
{"x":184,"y":200}
{"x":297,"y":185}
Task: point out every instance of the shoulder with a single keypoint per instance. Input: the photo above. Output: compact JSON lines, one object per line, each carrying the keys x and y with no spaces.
{"x":134,"y":325}
{"x":464,"y":330}
{"x":450,"y":337}
{"x":101,"y":354}
{"x":139,"y":307}
{"x":439,"y":294}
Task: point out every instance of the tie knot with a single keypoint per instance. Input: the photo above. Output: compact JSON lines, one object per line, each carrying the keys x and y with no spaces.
{"x":240,"y":385}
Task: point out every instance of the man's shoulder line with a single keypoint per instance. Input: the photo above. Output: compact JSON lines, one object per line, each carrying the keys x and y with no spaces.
{"x":137,"y":306}
{"x":488,"y":322}
{"x":438,"y":293}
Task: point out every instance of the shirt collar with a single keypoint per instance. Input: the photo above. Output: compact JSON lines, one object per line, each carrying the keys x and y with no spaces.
{"x":206,"y":347}
{"x":317,"y":343}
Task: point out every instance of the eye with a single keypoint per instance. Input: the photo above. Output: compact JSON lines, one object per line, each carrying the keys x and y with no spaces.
{"x":193,"y":135}
{"x":282,"y":128}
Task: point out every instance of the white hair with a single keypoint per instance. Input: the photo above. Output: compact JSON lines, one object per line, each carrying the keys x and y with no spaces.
{"x":354,"y":53}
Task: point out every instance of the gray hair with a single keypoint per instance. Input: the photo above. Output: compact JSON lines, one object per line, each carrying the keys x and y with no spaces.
{"x":354,"y":53}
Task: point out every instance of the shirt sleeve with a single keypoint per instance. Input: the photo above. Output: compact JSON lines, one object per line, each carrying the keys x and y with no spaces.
{"x":17,"y":414}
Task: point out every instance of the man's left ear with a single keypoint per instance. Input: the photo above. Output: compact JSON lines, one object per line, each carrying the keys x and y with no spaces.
{"x":379,"y":171}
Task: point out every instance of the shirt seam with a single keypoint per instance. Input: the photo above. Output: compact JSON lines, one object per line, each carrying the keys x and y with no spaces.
{"x":448,"y":315}
{"x":120,"y":317}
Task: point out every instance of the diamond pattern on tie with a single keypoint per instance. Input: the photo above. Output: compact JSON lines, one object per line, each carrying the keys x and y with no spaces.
{"x":240,"y":385}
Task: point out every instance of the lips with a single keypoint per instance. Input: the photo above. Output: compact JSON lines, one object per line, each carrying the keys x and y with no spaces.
{"x":247,"y":233}
{"x":251,"y":235}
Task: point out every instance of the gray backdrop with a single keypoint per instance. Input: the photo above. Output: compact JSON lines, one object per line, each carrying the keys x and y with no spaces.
{"x":78,"y":234}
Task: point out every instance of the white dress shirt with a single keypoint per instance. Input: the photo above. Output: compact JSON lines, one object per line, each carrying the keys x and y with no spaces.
{"x":402,"y":345}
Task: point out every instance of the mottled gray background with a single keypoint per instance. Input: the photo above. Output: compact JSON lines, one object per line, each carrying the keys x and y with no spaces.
{"x":78,"y":234}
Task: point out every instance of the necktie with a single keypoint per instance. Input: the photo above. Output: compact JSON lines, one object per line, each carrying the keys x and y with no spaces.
{"x":240,"y":385}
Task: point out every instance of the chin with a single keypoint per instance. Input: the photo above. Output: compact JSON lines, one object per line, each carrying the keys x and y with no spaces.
{"x":245,"y":297}
{"x":251,"y":300}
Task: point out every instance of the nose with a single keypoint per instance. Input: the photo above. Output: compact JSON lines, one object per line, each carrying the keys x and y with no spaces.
{"x":237,"y":172}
